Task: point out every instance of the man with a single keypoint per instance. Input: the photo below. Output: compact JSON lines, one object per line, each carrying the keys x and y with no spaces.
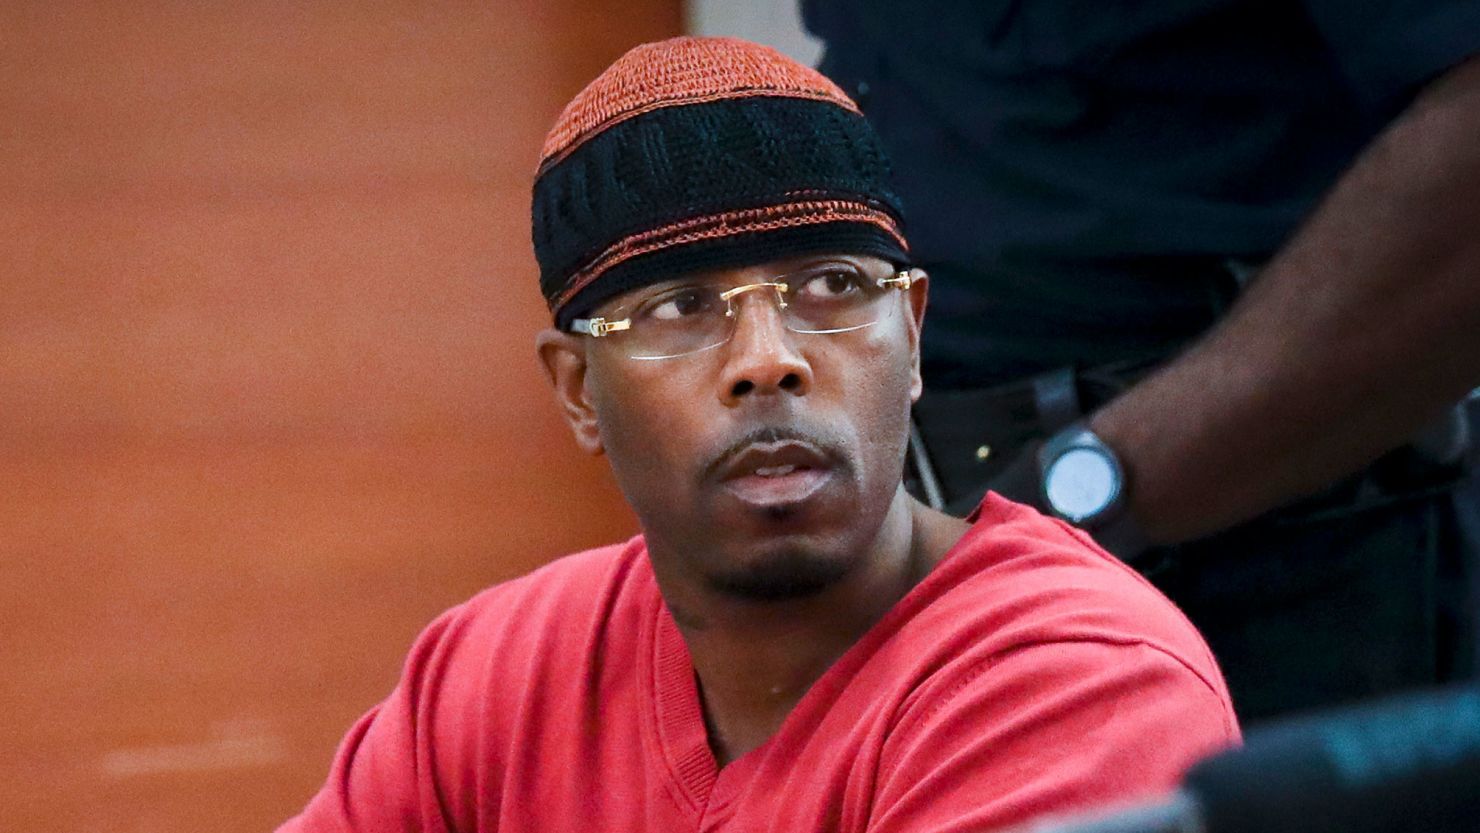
{"x":1249,"y":224}
{"x":793,"y":642}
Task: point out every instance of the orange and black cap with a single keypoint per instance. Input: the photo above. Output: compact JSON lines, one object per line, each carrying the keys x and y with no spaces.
{"x":695,"y":154}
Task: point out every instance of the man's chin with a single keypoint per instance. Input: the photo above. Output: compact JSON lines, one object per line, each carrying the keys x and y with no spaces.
{"x":778,"y":577}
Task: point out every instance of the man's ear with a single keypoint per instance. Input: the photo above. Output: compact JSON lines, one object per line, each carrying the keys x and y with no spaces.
{"x":917,"y":294}
{"x":564,"y":357}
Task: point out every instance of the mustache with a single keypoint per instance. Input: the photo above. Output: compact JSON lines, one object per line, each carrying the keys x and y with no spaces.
{"x":828,"y":443}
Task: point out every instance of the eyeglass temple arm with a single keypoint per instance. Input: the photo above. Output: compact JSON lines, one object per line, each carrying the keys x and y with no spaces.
{"x":901,"y":280}
{"x":598,"y":327}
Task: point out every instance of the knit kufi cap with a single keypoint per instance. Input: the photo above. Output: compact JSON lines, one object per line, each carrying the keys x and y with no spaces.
{"x":695,"y":154}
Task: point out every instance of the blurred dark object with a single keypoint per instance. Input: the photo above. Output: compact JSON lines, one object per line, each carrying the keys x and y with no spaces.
{"x":1408,"y":763}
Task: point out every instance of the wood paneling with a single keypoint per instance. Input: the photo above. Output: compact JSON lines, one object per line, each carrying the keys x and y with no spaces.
{"x":268,"y":396}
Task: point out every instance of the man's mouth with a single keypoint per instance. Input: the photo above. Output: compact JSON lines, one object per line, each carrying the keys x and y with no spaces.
{"x":769,"y":474}
{"x":775,"y":471}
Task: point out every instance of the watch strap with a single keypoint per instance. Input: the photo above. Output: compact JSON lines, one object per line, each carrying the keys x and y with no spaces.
{"x":1056,"y":399}
{"x":1114,"y":528}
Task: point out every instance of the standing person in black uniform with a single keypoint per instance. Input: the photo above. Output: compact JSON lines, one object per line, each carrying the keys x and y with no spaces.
{"x":1207,"y":283}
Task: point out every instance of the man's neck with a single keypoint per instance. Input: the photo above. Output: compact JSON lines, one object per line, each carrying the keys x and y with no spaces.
{"x":756,"y":659}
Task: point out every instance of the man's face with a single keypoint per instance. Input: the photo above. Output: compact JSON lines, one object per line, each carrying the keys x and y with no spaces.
{"x":765,"y":466}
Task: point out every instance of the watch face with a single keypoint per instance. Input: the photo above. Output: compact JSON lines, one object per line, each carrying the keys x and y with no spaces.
{"x":1081,"y":483}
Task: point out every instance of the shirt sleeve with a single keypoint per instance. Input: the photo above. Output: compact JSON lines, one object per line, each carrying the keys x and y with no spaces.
{"x":1388,"y":50}
{"x":383,"y":778}
{"x":1049,"y":728}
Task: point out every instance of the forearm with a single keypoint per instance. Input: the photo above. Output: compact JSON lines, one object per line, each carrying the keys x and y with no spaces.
{"x":1365,"y":326}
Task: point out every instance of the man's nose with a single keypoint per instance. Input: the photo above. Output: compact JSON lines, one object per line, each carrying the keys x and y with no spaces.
{"x":762,"y":357}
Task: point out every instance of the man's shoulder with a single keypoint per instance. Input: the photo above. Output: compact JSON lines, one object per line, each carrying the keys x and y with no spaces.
{"x":1018,"y":579}
{"x":570,"y":577}
{"x":1026,"y":641}
{"x":573,"y":587}
{"x":546,"y":612}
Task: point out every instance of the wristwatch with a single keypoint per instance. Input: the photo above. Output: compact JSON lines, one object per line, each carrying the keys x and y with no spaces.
{"x":1081,"y":481}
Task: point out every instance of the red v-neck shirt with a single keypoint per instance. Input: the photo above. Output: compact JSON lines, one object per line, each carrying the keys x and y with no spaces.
{"x":1029,"y":673}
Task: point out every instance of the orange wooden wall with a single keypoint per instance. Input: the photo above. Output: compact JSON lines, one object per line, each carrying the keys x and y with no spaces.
{"x":268,"y":396}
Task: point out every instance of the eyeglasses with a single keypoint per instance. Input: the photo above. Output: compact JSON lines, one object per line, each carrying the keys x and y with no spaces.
{"x":687,"y":317}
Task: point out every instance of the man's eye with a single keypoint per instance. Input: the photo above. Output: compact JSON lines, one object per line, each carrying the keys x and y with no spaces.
{"x":680,"y":303}
{"x":830,"y":284}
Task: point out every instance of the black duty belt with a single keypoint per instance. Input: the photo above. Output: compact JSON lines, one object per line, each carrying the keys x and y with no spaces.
{"x":967,"y":441}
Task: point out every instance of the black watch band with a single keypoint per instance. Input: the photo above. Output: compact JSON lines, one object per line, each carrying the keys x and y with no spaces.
{"x":1081,"y":481}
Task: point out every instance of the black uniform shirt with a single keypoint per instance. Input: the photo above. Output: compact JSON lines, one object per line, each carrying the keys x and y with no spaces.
{"x":1075,"y":172}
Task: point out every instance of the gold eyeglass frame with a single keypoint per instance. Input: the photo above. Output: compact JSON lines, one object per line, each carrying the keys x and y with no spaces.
{"x":598,"y":327}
